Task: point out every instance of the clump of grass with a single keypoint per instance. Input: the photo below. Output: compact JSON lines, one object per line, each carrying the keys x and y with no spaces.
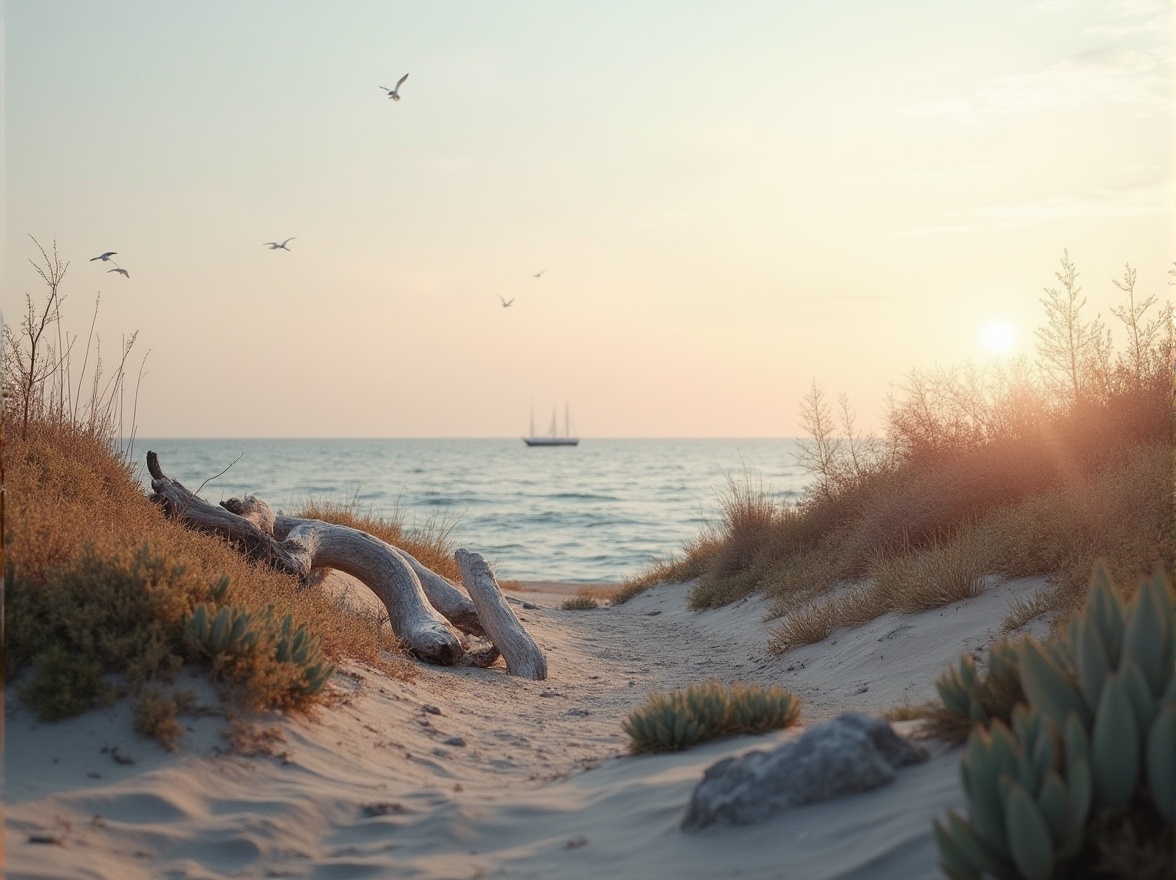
{"x":580,"y":603}
{"x":907,"y":711}
{"x":430,"y":543}
{"x":674,"y":721}
{"x":949,"y":570}
{"x":673,"y":569}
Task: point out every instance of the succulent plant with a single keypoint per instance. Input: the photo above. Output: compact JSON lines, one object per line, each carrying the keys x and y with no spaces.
{"x":753,"y":709}
{"x":233,"y":631}
{"x":1027,"y":801}
{"x":1096,"y":737}
{"x":669,"y":722}
{"x":970,"y":696}
{"x":663,"y":724}
{"x":1121,"y":684}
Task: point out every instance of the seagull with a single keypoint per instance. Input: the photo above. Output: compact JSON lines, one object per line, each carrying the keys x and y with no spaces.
{"x":122,"y":272}
{"x":104,"y":257}
{"x":506,"y":302}
{"x":394,"y":94}
{"x":274,"y":246}
{"x":539,"y":274}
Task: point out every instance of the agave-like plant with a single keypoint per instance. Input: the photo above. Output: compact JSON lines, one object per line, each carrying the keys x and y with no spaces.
{"x":1106,"y":694}
{"x":968,"y":696}
{"x":234,"y":631}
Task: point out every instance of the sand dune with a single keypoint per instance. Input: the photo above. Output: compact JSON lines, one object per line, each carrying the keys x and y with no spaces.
{"x":466,"y":773}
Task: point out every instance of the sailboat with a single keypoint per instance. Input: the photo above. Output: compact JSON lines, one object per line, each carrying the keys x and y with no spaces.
{"x":552,"y":437}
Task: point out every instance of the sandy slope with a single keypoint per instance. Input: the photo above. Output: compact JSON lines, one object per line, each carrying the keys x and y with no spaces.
{"x":468,"y":773}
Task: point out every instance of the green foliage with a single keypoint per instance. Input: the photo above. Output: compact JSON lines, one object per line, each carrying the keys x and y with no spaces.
{"x":674,"y":721}
{"x":1091,"y":752}
{"x":580,"y":603}
{"x":968,"y":696}
{"x":65,"y":685}
{"x":94,"y":616}
{"x":155,"y":712}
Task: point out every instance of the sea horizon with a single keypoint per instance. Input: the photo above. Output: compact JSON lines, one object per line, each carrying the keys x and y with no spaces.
{"x":600,"y":512}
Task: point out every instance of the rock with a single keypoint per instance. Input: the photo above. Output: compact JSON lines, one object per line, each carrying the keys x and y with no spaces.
{"x":851,"y":753}
{"x":454,"y":741}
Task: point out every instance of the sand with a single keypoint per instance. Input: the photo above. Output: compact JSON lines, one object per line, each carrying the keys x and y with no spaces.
{"x":472,"y":773}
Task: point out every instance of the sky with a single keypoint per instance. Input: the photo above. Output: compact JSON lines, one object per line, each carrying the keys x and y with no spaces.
{"x":727,"y":201}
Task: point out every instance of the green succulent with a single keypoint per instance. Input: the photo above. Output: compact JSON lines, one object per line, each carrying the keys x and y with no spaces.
{"x":1027,"y":801}
{"x":234,"y":631}
{"x":753,"y":709}
{"x":1096,"y":737}
{"x":669,"y":722}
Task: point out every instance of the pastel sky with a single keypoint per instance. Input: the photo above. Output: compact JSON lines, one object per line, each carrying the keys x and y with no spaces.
{"x":727,"y":200}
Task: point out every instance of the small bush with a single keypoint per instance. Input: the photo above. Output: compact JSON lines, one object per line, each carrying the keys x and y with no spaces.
{"x":154,"y":714}
{"x":64,"y":685}
{"x":580,"y":603}
{"x":674,"y":721}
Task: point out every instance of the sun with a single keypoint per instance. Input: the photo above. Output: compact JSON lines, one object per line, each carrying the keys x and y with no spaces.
{"x":998,"y":338}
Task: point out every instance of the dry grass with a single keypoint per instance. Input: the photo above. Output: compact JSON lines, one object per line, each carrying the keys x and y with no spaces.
{"x":599,"y":592}
{"x":672,"y":570}
{"x":950,"y":570}
{"x":94,"y":570}
{"x":430,"y":543}
{"x":983,"y":472}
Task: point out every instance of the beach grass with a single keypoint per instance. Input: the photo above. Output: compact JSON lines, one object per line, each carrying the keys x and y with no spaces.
{"x":1021,"y":468}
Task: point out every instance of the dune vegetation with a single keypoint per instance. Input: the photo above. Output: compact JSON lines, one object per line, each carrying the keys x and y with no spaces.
{"x":1030,"y":467}
{"x":105,"y":597}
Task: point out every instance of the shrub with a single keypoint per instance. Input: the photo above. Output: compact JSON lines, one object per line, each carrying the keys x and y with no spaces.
{"x":154,"y":715}
{"x":674,"y":721}
{"x":65,"y":685}
{"x":580,"y":603}
{"x":1086,"y":776}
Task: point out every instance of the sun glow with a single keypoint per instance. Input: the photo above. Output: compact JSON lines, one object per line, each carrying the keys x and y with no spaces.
{"x":998,"y":338}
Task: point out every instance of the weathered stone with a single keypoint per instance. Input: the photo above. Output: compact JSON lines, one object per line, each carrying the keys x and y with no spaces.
{"x":849,"y":754}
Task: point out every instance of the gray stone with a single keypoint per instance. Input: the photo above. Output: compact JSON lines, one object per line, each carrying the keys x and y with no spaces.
{"x":849,"y":754}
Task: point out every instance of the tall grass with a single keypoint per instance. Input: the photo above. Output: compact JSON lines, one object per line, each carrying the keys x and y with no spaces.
{"x":1027,"y":467}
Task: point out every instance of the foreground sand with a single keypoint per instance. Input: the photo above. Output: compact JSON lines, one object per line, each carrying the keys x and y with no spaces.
{"x":472,"y":773}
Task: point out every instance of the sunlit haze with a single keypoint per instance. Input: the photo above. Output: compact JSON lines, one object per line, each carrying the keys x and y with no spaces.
{"x":694,"y":210}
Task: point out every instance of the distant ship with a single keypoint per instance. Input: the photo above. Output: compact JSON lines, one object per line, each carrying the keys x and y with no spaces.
{"x":552,"y":437}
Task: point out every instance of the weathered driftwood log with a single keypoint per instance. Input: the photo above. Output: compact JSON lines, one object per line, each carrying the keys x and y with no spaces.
{"x":522,"y":655}
{"x":454,"y":605}
{"x":312,"y":544}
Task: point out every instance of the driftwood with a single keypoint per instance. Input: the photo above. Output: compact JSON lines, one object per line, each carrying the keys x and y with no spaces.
{"x":412,"y":593}
{"x":523,"y":657}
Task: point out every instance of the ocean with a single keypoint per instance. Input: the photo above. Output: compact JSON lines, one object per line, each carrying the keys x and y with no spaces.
{"x":599,"y":512}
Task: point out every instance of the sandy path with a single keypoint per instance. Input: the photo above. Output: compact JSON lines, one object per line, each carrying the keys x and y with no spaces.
{"x":465,"y":773}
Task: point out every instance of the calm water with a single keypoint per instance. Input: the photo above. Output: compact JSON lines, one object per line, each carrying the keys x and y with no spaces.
{"x":597,"y":512}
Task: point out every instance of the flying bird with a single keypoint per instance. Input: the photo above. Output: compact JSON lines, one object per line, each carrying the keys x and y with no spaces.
{"x":274,"y":246}
{"x":104,"y":257}
{"x":394,"y":94}
{"x":539,"y":274}
{"x":506,"y":302}
{"x":122,"y":272}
